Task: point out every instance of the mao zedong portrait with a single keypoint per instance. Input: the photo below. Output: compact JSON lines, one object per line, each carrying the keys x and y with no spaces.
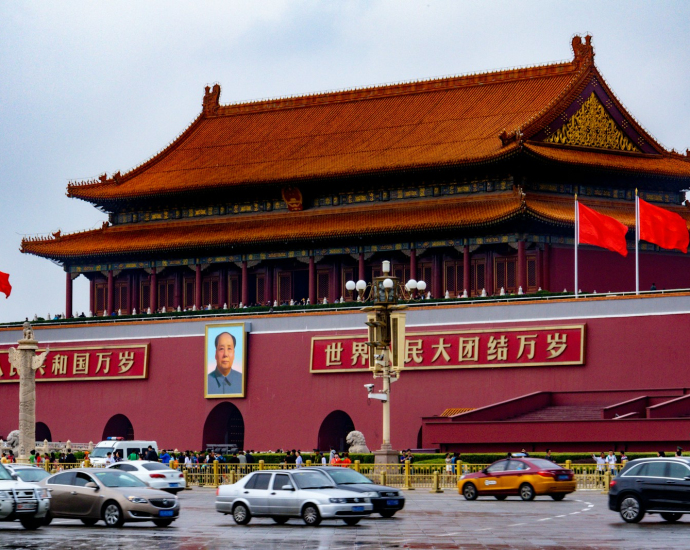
{"x":224,"y":379}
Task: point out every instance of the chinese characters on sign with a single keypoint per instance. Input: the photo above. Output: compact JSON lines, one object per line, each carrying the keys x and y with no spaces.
{"x":86,"y":363}
{"x":523,"y":347}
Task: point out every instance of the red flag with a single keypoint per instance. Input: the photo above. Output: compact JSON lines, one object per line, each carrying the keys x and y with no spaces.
{"x":5,"y":285}
{"x":601,"y":230}
{"x":662,"y":227}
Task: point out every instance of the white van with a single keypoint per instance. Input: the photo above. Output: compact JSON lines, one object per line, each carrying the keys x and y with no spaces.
{"x":112,"y":445}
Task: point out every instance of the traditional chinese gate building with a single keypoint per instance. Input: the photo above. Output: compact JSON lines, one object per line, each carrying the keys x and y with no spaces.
{"x":465,"y":182}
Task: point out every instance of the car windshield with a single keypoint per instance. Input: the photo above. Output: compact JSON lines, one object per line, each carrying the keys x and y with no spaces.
{"x":541,"y":463}
{"x":345,"y":476}
{"x":113,"y":478}
{"x":31,"y":474}
{"x":101,"y":452}
{"x":4,"y":474}
{"x":155,"y":466}
{"x":312,"y":480}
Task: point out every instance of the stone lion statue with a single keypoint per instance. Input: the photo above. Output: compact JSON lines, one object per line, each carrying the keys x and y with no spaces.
{"x":13,"y":439}
{"x":357,"y":442}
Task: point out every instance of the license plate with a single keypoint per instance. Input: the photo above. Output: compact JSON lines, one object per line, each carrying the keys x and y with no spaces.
{"x":26,"y":506}
{"x":358,"y":508}
{"x":392,"y":502}
{"x":174,"y":484}
{"x":164,"y":513}
{"x":562,"y":478}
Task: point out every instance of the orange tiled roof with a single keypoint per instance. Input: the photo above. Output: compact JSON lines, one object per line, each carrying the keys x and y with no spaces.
{"x":453,"y":412}
{"x":561,"y":210}
{"x":443,"y":122}
{"x":264,"y":229}
{"x":419,"y":216}
{"x":662,"y":165}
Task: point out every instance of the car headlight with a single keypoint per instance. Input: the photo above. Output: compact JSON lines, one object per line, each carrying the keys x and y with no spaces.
{"x":4,"y":494}
{"x":337,"y":500}
{"x":42,"y":493}
{"x":138,"y":500}
{"x":366,"y":499}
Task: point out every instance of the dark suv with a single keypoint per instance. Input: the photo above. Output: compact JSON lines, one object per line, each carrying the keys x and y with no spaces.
{"x":654,"y":486}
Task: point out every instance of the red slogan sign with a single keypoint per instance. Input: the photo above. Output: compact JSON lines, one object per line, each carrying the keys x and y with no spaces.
{"x":523,"y":347}
{"x":85,"y":363}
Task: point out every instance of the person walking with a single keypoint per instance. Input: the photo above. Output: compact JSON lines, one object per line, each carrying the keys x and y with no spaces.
{"x":298,"y":460}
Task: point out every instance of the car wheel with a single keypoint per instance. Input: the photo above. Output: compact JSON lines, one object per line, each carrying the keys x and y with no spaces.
{"x":310,"y":515}
{"x":31,"y":524}
{"x":631,"y":509}
{"x":526,"y":492}
{"x":558,"y":496}
{"x":387,"y":513}
{"x":89,"y":522}
{"x":241,"y":514}
{"x":280,"y":520}
{"x":671,"y":516}
{"x":351,"y":521}
{"x":112,"y":514}
{"x":500,"y":497}
{"x":47,"y":519}
{"x":469,"y":491}
{"x":162,"y":522}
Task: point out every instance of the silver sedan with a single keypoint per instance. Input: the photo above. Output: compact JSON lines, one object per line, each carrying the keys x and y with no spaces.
{"x":282,"y":495}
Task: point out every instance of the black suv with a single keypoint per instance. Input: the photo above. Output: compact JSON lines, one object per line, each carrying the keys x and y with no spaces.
{"x":652,"y":485}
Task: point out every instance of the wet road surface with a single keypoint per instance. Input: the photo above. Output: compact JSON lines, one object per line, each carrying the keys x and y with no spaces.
{"x":429,"y":521}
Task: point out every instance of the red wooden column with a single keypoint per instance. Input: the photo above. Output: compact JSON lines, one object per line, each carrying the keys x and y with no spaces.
{"x":111,"y":292}
{"x":197,"y":287}
{"x":245,"y":283}
{"x":223,"y":290}
{"x":546,"y":273}
{"x":312,"y":280}
{"x":92,"y":295}
{"x":413,"y":265}
{"x":68,"y":295}
{"x":336,"y":287}
{"x":177,"y":293}
{"x":466,"y":266}
{"x":539,"y":269}
{"x":361,"y":267}
{"x":522,"y":265}
{"x":268,"y":285}
{"x":153,"y":291}
{"x":437,"y":291}
{"x":489,"y":274}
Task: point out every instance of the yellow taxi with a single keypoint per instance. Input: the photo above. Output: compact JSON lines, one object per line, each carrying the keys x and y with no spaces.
{"x":524,"y":477}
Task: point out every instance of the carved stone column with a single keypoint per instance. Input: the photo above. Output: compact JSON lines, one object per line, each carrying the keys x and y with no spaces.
{"x":26,"y":362}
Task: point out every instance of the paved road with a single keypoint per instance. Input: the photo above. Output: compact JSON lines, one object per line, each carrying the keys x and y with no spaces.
{"x":442,"y":521}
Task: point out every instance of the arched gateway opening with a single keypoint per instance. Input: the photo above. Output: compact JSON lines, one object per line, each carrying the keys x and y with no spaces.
{"x":119,"y":426}
{"x":334,"y":430}
{"x":224,"y":426}
{"x":43,"y":432}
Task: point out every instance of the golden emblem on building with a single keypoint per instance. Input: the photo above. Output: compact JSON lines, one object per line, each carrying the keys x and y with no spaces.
{"x":592,"y":126}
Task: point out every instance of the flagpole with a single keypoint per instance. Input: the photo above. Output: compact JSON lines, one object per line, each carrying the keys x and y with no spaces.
{"x":637,"y":244}
{"x":577,"y":235}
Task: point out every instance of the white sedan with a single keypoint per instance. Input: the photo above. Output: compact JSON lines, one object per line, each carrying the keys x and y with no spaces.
{"x":155,"y":474}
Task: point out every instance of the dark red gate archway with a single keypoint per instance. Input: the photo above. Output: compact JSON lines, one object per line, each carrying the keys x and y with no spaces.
{"x":334,"y":430}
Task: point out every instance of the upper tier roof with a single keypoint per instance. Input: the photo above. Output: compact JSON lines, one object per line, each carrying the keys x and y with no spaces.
{"x":454,"y":121}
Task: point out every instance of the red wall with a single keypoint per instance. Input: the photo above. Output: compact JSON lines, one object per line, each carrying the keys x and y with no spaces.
{"x":286,"y":404}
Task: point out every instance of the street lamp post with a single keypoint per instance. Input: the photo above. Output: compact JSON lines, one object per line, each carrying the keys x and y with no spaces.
{"x":386,"y":322}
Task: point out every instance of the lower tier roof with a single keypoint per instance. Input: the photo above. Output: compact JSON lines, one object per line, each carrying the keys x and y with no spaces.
{"x":381,"y":221}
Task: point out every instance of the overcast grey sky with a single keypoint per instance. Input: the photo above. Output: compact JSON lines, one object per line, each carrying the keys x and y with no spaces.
{"x":93,"y":87}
